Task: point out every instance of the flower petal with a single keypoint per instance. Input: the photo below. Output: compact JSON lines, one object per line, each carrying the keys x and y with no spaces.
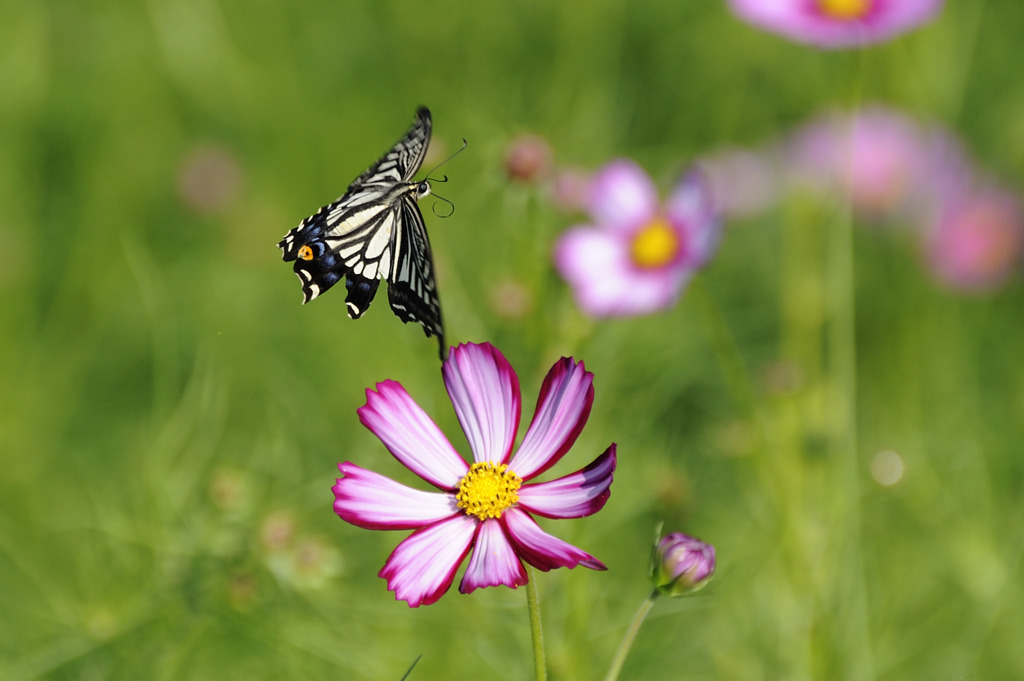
{"x":540,"y":549}
{"x":622,"y":196}
{"x":493,"y":562}
{"x":585,"y":254}
{"x":421,"y":568}
{"x":691,"y":209}
{"x":484,"y":390}
{"x":562,"y":410}
{"x":411,"y":436}
{"x":376,"y":502}
{"x":573,"y":496}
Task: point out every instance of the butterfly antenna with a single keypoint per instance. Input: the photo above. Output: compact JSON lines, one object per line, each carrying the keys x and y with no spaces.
{"x":450,"y":204}
{"x":444,"y":178}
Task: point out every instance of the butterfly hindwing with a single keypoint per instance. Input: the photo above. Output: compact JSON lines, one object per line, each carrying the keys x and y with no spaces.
{"x":374,"y":231}
{"x":412,"y":290}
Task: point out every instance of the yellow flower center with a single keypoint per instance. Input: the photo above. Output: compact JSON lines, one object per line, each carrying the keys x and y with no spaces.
{"x":656,"y":245}
{"x":845,"y":10}
{"x":487,"y":490}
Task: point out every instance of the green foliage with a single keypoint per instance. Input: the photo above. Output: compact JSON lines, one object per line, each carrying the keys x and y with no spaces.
{"x":171,"y":417}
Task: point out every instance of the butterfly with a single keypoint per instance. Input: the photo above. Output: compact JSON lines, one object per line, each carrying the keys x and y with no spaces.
{"x":375,"y":231}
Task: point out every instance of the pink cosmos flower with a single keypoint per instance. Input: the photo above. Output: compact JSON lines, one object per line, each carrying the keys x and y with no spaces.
{"x":837,"y":23}
{"x":977,"y":241}
{"x":484,"y":507}
{"x":885,"y":162}
{"x":638,"y":255}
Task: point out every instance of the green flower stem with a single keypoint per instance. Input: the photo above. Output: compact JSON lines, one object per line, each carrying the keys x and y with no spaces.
{"x":540,"y":671}
{"x":842,"y":368}
{"x":627,"y":640}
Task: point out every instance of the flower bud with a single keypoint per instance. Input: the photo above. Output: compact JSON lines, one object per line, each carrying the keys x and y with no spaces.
{"x":681,"y":564}
{"x":528,"y":158}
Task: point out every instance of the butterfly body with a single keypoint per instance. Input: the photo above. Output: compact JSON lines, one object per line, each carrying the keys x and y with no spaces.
{"x":375,"y":231}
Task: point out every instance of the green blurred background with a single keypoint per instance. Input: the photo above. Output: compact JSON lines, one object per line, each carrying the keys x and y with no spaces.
{"x":171,"y":416}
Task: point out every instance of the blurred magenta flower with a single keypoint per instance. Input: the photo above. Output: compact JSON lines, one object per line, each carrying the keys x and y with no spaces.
{"x":638,"y":255}
{"x":977,"y":241}
{"x":485,"y":506}
{"x":837,"y":23}
{"x":681,"y":564}
{"x":885,"y":162}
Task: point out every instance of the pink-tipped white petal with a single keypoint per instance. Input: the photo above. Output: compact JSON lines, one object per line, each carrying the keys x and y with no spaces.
{"x":493,"y":562}
{"x":622,"y":196}
{"x":375,"y":502}
{"x":484,"y":390}
{"x":422,"y":568}
{"x":540,"y":549}
{"x":562,"y":410}
{"x":573,"y":496}
{"x":691,"y":209}
{"x":411,"y":436}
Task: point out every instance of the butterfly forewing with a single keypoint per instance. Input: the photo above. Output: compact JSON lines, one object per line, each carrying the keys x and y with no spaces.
{"x":375,"y":230}
{"x":404,"y":159}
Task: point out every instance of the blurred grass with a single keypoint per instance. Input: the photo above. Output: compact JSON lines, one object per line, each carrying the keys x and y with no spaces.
{"x":171,"y":417}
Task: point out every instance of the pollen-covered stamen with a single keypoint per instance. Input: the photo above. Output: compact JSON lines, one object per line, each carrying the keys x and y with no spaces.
{"x":306,"y":253}
{"x":656,"y":245}
{"x":845,"y":10}
{"x":487,"y":490}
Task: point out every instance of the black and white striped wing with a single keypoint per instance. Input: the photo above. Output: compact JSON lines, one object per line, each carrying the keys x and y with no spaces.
{"x":412,"y":289}
{"x":404,"y":159}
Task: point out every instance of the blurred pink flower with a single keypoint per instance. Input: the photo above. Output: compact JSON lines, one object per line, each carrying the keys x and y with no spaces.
{"x":639,"y":254}
{"x":528,"y":158}
{"x":977,"y":241}
{"x":887,"y":164}
{"x":484,"y":507}
{"x":209,"y":179}
{"x":837,"y":23}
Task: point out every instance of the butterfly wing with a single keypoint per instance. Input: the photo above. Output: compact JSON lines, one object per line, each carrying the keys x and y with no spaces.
{"x":342,"y":239}
{"x":412,"y":290}
{"x":403,"y":160}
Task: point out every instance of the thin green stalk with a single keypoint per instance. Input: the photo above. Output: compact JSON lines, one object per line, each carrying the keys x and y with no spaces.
{"x":627,"y":640}
{"x":540,"y":670}
{"x":842,"y":341}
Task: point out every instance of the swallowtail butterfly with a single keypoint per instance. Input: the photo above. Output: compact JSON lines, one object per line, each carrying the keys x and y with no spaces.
{"x":375,"y":230}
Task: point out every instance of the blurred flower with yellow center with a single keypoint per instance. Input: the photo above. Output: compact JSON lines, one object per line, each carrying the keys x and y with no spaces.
{"x":640,"y":251}
{"x":487,"y":490}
